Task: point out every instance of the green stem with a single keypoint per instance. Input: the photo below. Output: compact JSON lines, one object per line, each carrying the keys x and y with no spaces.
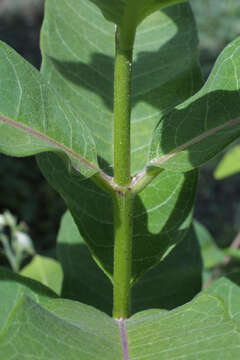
{"x":122,"y":112}
{"x":123,"y":198}
{"x":123,"y":204}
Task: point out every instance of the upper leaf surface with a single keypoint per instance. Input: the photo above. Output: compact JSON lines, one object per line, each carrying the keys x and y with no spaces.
{"x":117,"y":10}
{"x":13,"y":286}
{"x":85,"y":282}
{"x":227,"y":288}
{"x":183,"y":270}
{"x":69,"y":330}
{"x":78,"y":59}
{"x":162,"y":214}
{"x":45,"y":270}
{"x":162,"y":217}
{"x":203,"y":125}
{"x":83,"y":279}
{"x":201,"y":329}
{"x":34,"y":119}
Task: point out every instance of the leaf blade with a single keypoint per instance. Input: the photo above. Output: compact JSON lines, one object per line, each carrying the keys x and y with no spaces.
{"x":204,"y":124}
{"x":86,"y":77}
{"x":184,"y":332}
{"x":60,"y":336}
{"x":11,"y":289}
{"x":117,"y":11}
{"x":45,"y":270}
{"x":32,"y":117}
{"x":227,"y":288}
{"x":95,"y":223}
{"x":81,"y":332}
{"x":85,"y":282}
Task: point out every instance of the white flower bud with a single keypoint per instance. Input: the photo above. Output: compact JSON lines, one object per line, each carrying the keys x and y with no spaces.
{"x":2,"y":222}
{"x":23,"y":243}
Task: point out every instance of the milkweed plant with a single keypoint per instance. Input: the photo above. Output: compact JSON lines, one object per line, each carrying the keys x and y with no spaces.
{"x":120,"y":120}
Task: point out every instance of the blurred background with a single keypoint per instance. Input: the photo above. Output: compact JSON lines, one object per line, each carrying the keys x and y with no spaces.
{"x":24,"y":191}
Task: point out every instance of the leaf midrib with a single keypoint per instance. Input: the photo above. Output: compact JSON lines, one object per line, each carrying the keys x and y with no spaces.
{"x":195,"y":140}
{"x":123,"y":335}
{"x":51,"y":141}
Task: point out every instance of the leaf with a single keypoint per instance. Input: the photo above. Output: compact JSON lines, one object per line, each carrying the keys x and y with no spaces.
{"x":165,"y":73}
{"x":118,"y":11}
{"x":203,"y":125}
{"x":201,"y":329}
{"x":12,"y":286}
{"x":162,"y":211}
{"x":83,"y":279}
{"x":227,"y":288}
{"x":78,"y":60}
{"x":182,"y":269}
{"x":45,"y":270}
{"x":85,"y":282}
{"x":35,"y":119}
{"x":229,"y":164}
{"x":85,"y":78}
{"x":211,"y":253}
{"x":162,"y":217}
{"x":39,"y":333}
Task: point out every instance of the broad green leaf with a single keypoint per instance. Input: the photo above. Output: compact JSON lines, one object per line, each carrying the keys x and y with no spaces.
{"x":35,"y":119}
{"x":203,"y":125}
{"x":78,"y":59}
{"x":122,"y":11}
{"x":165,"y":73}
{"x":12,"y":286}
{"x":211,"y":253}
{"x":201,"y":329}
{"x":162,"y":217}
{"x":85,"y":282}
{"x":45,"y":270}
{"x":162,"y":214}
{"x":227,"y":288}
{"x":175,"y":281}
{"x":69,"y":330}
{"x":229,"y":164}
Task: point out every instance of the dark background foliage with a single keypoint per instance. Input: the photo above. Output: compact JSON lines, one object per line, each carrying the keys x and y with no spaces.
{"x":27,"y":195}
{"x":23,"y":189}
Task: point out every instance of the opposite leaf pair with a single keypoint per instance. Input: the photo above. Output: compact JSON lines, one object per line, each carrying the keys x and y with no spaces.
{"x":65,"y":116}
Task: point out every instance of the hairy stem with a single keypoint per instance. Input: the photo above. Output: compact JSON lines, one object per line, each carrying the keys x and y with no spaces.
{"x":123,"y":198}
{"x":122,"y":113}
{"x":123,"y":204}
